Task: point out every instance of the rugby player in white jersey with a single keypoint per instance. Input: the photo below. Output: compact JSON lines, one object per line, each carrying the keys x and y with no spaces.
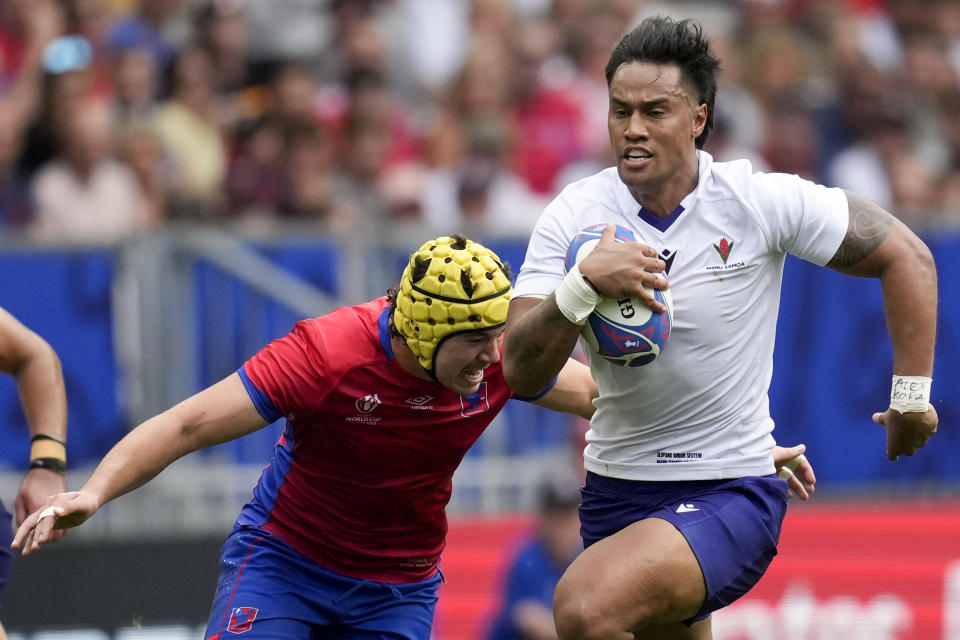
{"x":681,"y":510}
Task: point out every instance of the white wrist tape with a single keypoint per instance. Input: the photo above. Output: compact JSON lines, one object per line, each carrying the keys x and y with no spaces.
{"x":575,"y":298}
{"x":910,"y":394}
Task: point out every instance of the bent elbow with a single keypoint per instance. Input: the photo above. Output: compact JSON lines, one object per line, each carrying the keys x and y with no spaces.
{"x":916,"y":258}
{"x":519,"y":381}
{"x":923,"y":258}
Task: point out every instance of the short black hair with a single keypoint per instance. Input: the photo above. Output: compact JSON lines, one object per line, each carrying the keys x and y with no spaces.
{"x":663,"y":40}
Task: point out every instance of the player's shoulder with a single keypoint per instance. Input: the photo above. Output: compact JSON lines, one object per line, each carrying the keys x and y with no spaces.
{"x":737,"y":179}
{"x":599,"y":188}
{"x":347,"y":334}
{"x":728,"y":176}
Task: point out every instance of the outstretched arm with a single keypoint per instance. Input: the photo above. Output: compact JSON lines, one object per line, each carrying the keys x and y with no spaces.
{"x":217,"y":414}
{"x":574,"y":391}
{"x":36,"y":368}
{"x":878,"y":245}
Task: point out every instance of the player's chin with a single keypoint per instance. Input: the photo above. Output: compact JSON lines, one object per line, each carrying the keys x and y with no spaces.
{"x":466,"y":384}
{"x":631,"y":174}
{"x":467,"y":388}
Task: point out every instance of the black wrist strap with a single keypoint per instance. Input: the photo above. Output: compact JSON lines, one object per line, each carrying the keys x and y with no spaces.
{"x":50,"y":464}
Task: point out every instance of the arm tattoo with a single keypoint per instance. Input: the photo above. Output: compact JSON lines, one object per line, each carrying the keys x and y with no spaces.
{"x":538,"y":347}
{"x":869,"y":226}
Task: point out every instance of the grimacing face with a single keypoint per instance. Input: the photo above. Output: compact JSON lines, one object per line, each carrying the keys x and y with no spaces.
{"x":463,"y":357}
{"x":653,"y":121}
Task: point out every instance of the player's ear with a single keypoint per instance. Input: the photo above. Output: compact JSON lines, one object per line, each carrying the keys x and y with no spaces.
{"x":699,"y":120}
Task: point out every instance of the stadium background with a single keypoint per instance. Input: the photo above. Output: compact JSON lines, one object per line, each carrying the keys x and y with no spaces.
{"x":147,"y":308}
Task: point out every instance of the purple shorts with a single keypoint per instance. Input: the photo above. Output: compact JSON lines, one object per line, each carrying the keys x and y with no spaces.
{"x":733,"y":526}
{"x":6,"y":553}
{"x":268,"y":591}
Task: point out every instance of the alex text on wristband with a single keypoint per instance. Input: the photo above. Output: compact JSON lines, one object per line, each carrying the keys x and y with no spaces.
{"x":51,"y":464}
{"x":910,"y":394}
{"x":576,"y":298}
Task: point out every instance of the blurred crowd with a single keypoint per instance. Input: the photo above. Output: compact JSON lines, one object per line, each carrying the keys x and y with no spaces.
{"x":119,"y":115}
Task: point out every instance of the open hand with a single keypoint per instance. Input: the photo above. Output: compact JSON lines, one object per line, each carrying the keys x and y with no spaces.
{"x":62,"y":511}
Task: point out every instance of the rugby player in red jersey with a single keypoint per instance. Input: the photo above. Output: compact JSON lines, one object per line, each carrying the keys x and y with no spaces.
{"x":344,"y":534}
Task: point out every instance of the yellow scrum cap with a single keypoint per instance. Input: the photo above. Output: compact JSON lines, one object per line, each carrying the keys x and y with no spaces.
{"x":450,"y":285}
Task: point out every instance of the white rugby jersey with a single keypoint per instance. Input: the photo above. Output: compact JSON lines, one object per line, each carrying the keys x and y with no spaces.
{"x":700,"y":411}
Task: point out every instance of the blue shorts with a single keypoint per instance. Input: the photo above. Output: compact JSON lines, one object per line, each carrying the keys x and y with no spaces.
{"x":268,"y":591}
{"x":733,"y":526}
{"x":6,"y":553}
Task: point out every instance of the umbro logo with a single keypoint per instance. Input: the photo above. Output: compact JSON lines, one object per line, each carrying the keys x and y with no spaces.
{"x":420,"y":402}
{"x":686,"y":508}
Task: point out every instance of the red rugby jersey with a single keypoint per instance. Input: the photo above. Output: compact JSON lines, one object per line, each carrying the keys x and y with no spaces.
{"x":360,"y":479}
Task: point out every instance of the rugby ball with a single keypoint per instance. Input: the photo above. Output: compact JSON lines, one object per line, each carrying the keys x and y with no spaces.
{"x":625,"y":331}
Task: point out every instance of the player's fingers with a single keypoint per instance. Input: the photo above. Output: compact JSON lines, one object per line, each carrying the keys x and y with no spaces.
{"x":36,"y":527}
{"x":892,"y":453}
{"x":788,"y":453}
{"x":798,"y":489}
{"x":35,"y":542}
{"x":805,"y":476}
{"x":878,"y":418}
{"x":793,"y":464}
{"x":609,"y":233}
{"x":797,"y":471}
{"x":649,"y":301}
{"x":24,"y":543}
{"x":654,"y":276}
{"x":642,"y":289}
{"x":650,"y":252}
{"x":28,"y":544}
{"x":41,"y":533}
{"x":56,"y":535}
{"x":22,"y":533}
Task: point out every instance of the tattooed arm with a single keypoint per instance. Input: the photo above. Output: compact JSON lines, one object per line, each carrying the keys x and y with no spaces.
{"x":880,"y":246}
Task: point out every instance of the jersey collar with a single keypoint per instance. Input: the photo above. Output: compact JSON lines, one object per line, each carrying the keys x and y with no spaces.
{"x":661,"y":224}
{"x":627,"y":203}
{"x":383,"y":325}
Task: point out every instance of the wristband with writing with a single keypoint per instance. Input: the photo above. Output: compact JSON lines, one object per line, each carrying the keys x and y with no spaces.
{"x":910,"y":394}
